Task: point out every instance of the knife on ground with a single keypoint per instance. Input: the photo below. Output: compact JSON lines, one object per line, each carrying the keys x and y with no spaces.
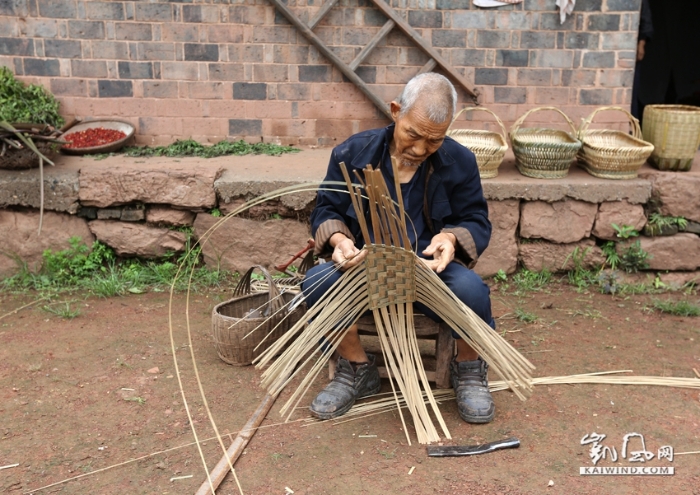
{"x":484,"y":448}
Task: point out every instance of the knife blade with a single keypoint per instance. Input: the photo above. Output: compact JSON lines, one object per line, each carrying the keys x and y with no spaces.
{"x":461,"y":450}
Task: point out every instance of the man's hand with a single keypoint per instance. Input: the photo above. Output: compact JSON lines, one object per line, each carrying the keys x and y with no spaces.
{"x":442,"y":249}
{"x":345,"y":254}
{"x":641,"y":46}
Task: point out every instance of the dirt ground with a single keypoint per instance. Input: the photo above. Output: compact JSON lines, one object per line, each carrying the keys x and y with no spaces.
{"x":81,"y":395}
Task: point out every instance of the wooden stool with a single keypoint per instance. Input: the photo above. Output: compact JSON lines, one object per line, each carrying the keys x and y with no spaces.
{"x":425,"y":329}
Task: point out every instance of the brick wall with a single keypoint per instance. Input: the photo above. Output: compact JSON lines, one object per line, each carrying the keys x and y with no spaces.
{"x":212,"y":69}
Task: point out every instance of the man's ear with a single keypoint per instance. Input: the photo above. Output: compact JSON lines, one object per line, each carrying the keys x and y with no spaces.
{"x":395,"y":110}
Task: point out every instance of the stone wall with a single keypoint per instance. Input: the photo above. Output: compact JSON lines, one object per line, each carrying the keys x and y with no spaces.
{"x":138,"y":207}
{"x":214,"y":69}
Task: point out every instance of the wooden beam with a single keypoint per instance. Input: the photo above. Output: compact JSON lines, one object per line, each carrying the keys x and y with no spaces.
{"x":386,"y":29}
{"x":322,"y":13}
{"x":429,"y":65}
{"x":423,"y":45}
{"x":326,"y":52}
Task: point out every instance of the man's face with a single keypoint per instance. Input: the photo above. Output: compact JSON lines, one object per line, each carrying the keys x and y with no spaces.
{"x":416,"y":137}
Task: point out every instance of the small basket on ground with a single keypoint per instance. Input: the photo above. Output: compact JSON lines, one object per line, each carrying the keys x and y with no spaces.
{"x":674,"y":130}
{"x":611,"y":154}
{"x":245,"y":326}
{"x":544,"y":153}
{"x":489,"y":147}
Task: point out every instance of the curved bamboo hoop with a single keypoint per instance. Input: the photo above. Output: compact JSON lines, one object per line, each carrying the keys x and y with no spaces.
{"x":519,"y":122}
{"x":504,"y":134}
{"x":488,"y":147}
{"x":634,"y":123}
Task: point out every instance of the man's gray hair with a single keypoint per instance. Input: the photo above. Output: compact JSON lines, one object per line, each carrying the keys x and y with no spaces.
{"x":436,"y":93}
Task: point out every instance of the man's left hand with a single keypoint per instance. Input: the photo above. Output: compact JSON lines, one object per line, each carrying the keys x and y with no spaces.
{"x":442,"y":249}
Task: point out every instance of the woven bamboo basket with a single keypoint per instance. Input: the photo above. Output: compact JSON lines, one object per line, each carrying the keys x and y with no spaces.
{"x":612,"y":154}
{"x":488,"y":147}
{"x":544,"y":153}
{"x":234,"y":319}
{"x":674,"y":130}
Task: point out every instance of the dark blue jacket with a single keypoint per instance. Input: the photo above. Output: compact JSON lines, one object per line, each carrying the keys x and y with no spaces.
{"x":454,"y":201}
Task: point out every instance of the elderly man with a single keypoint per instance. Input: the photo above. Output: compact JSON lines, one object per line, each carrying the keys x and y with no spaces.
{"x":442,"y":196}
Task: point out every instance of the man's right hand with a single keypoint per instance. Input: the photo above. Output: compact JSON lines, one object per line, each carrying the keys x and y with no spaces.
{"x":345,"y":254}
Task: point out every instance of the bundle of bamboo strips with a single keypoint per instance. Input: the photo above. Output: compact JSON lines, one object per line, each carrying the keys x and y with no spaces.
{"x":388,"y":282}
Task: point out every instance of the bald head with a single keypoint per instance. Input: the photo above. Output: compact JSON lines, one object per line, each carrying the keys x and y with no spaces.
{"x":432,"y":94}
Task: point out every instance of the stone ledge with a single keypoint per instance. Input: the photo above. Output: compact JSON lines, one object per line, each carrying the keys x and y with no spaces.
{"x":21,"y":188}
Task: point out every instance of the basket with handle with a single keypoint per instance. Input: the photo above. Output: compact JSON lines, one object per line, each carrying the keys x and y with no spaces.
{"x":544,"y":153}
{"x":674,"y":130}
{"x":612,"y":154}
{"x":245,"y":326}
{"x":488,"y":147}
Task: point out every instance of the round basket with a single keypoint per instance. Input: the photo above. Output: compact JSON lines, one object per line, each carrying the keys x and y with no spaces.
{"x":488,"y":147}
{"x":612,"y":154}
{"x":245,"y":326}
{"x":116,"y":125}
{"x":543,"y":153}
{"x":674,"y":130}
{"x":24,"y":158}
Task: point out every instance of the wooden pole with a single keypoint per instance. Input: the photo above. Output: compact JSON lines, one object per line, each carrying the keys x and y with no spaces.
{"x":234,"y":451}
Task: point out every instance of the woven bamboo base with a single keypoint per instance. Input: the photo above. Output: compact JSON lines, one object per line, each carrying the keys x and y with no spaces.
{"x":609,"y":174}
{"x":538,"y":173}
{"x":671,"y":164}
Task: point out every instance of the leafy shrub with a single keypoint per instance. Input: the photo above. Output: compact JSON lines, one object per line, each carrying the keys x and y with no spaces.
{"x":30,"y":104}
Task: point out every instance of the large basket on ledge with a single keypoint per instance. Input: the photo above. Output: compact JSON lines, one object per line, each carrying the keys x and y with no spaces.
{"x":674,"y":130}
{"x":612,"y":154}
{"x":245,"y":326}
{"x":544,"y":153}
{"x":488,"y":147}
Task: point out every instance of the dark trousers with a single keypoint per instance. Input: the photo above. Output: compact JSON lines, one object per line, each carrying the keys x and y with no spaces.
{"x":463,"y":282}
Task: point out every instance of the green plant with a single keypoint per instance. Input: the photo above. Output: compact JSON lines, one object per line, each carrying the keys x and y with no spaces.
{"x":579,"y":276}
{"x":657,"y":219}
{"x":190,"y":147}
{"x":612,"y":259}
{"x":215,"y":212}
{"x":524,"y":316}
{"x":680,"y":308}
{"x":63,"y":310}
{"x":624,"y":231}
{"x":30,"y":104}
{"x":501,"y":276}
{"x":634,"y":258}
{"x":527,"y":281}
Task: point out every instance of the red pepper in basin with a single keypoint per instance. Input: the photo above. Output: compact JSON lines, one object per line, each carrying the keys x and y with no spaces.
{"x":95,"y":136}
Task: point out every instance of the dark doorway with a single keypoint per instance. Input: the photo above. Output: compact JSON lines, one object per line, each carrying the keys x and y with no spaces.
{"x":670,"y":70}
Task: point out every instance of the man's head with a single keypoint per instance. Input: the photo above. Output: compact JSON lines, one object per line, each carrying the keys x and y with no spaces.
{"x":422,"y":115}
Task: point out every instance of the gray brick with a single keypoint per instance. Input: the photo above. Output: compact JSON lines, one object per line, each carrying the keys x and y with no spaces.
{"x":374,"y":17}
{"x":155,"y":51}
{"x":367,"y":73}
{"x":293,"y":91}
{"x":61,"y":9}
{"x":105,"y":10}
{"x":62,"y":48}
{"x":88,"y":68}
{"x":475,"y":19}
{"x":453,"y":4}
{"x":201,"y":52}
{"x":491,"y":76}
{"x":68,"y":87}
{"x":244,"y":127}
{"x":539,"y":5}
{"x":226,"y":72}
{"x":553,"y":58}
{"x":589,"y":6}
{"x":110,"y":50}
{"x":158,"y":12}
{"x":200,"y":13}
{"x":41,"y":67}
{"x":160,"y":89}
{"x":510,"y":95}
{"x":18,"y":66}
{"x":469,"y":58}
{"x":15,"y":46}
{"x":449,"y":38}
{"x":492,"y":39}
{"x":109,"y":213}
{"x":14,"y":8}
{"x":425,"y":18}
{"x":578,"y":78}
{"x":314,"y":73}
{"x":87,"y":212}
{"x":552,"y":22}
{"x":135,"y":70}
{"x":514,"y":20}
{"x":133,"y":31}
{"x":537,"y":39}
{"x":599,"y":59}
{"x":534,"y":77}
{"x":586,"y":41}
{"x":619,"y":41}
{"x":596,"y":97}
{"x":86,"y":30}
{"x":115,"y":89}
{"x":249,"y":91}
{"x":133,"y":214}
{"x":624,"y":5}
{"x":512,"y":58}
{"x":603,"y":22}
